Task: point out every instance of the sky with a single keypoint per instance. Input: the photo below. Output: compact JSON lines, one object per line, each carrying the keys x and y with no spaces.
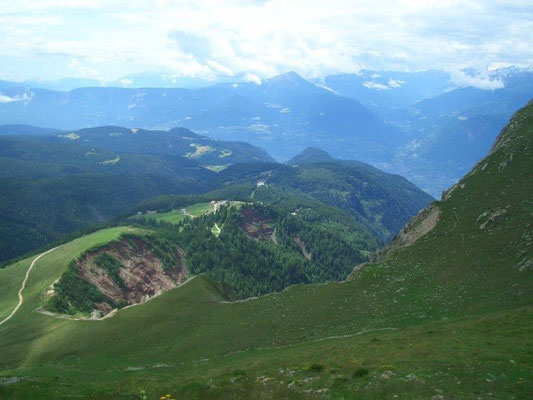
{"x":252,"y":40}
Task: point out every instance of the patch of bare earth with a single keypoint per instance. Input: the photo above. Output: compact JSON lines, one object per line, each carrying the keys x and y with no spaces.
{"x":308,"y":256}
{"x":419,"y":226}
{"x":256,"y":226}
{"x":142,"y":273}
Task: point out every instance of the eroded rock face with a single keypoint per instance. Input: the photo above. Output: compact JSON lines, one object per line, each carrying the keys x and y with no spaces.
{"x":420,"y":225}
{"x":142,"y":273}
{"x":256,"y":226}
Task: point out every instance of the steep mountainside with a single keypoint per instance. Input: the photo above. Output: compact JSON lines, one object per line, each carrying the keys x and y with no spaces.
{"x":445,"y":313}
{"x":449,"y":133}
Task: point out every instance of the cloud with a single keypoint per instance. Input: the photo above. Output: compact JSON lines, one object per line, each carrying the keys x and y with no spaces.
{"x":248,"y":77}
{"x":114,"y":38}
{"x":82,"y":70}
{"x":26,"y":97}
{"x":197,"y":46}
{"x":375,"y":85}
{"x":125,"y":82}
{"x":395,"y":83}
{"x":464,"y":79}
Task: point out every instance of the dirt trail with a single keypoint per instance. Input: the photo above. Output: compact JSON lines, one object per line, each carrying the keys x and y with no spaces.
{"x":21,"y":299}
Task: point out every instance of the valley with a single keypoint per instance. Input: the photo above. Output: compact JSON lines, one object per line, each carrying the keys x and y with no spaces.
{"x":266,"y":200}
{"x":386,"y":330}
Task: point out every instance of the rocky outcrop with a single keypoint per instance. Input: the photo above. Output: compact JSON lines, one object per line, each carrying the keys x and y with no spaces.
{"x":417,"y":227}
{"x":127,"y":272}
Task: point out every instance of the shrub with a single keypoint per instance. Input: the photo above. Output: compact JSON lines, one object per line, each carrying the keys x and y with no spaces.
{"x":239,"y":372}
{"x":360,"y":372}
{"x":316,"y":367}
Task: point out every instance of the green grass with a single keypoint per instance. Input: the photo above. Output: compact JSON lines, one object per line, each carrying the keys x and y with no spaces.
{"x":273,"y":346}
{"x":176,"y":216}
{"x":173,"y":217}
{"x":199,"y":209}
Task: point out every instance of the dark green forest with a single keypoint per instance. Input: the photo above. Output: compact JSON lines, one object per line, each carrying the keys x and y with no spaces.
{"x":50,"y":188}
{"x":263,"y":248}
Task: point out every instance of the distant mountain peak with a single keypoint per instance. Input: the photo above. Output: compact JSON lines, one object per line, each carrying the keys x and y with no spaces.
{"x":290,"y":76}
{"x":310,"y":155}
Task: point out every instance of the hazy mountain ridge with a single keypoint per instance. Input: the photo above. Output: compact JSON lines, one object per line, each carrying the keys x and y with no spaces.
{"x":280,"y":114}
{"x":396,"y":121}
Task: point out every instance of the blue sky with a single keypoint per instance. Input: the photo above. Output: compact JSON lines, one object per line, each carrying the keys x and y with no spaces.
{"x":209,"y":39}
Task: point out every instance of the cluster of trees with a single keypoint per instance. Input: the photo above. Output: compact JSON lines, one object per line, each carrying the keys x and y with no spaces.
{"x":256,"y":266}
{"x":302,"y":241}
{"x":74,"y":294}
{"x":112,"y":266}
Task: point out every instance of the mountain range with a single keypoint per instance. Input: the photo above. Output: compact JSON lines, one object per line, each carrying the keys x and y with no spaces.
{"x":419,"y":124}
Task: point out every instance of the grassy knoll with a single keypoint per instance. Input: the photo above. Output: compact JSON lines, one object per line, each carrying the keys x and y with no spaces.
{"x":47,"y":269}
{"x":173,"y":217}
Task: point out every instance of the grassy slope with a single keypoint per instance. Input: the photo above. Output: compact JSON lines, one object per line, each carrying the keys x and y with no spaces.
{"x":174,"y":217}
{"x":459,"y":308}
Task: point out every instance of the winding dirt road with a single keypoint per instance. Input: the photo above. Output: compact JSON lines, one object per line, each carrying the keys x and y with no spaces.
{"x":21,"y":299}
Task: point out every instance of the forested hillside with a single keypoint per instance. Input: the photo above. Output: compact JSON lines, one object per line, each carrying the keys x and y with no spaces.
{"x":51,"y":189}
{"x":55,"y":182}
{"x":256,"y":248}
{"x":382,"y":202}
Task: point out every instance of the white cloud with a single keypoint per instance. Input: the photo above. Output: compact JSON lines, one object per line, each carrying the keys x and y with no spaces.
{"x":125,"y":82}
{"x":248,"y":77}
{"x":393,"y":83}
{"x":113,"y":38}
{"x":375,"y":85}
{"x":462,"y":79}
{"x":26,"y":97}
{"x":82,"y":70}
